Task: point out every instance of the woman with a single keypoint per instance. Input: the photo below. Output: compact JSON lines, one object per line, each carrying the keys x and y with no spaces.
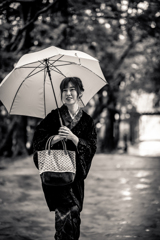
{"x":80,"y":136}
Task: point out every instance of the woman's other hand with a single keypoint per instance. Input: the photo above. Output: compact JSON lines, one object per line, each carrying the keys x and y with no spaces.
{"x":56,"y":139}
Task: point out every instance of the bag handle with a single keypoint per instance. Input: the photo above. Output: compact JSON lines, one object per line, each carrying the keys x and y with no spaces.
{"x":48,"y":144}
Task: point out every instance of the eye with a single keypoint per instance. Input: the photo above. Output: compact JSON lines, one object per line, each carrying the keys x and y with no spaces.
{"x":72,"y":89}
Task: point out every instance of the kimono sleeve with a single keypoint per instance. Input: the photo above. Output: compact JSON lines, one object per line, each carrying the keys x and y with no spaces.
{"x":86,"y":150}
{"x":41,"y":135}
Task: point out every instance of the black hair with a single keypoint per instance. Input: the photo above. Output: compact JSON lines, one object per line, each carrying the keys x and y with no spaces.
{"x":77,"y":83}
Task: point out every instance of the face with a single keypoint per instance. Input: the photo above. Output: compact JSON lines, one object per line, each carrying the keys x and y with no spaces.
{"x":69,"y":95}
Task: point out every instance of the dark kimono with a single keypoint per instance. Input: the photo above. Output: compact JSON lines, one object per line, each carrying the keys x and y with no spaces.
{"x":83,"y":127}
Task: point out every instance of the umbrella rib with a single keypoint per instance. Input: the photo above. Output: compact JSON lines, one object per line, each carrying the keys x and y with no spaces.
{"x":31,"y":67}
{"x":34,"y":70}
{"x":88,"y":68}
{"x":58,"y":60}
{"x":51,"y":66}
{"x":34,"y":73}
{"x":55,"y":70}
{"x":25,"y":66}
{"x":66,"y":64}
{"x":19,"y":88}
{"x":94,"y":73}
{"x":58,"y":71}
{"x":54,"y":60}
{"x":82,"y":102}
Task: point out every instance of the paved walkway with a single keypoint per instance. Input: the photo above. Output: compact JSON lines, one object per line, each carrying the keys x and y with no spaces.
{"x":122,"y":200}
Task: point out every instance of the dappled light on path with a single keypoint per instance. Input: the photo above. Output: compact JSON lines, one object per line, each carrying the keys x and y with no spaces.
{"x":122,"y":195}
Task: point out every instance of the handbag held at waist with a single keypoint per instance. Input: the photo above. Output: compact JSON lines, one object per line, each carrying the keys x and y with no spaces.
{"x":56,"y":167}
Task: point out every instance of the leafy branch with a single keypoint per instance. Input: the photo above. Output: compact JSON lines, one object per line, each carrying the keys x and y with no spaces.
{"x":11,"y":46}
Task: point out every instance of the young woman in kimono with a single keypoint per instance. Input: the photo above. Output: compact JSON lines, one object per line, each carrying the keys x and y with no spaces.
{"x":80,"y":135}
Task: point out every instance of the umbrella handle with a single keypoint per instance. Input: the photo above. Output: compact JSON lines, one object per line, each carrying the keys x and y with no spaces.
{"x":60,"y":119}
{"x":63,"y":141}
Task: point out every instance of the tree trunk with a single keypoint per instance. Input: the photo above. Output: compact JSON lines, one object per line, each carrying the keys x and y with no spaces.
{"x":6,"y":145}
{"x":14,"y":143}
{"x":19,"y":137}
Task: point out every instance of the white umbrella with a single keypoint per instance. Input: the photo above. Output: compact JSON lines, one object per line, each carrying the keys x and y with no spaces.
{"x":32,"y":88}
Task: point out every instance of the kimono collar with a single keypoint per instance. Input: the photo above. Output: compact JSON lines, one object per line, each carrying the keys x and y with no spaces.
{"x":68,"y":121}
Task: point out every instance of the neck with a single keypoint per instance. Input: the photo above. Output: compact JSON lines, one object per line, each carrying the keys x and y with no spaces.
{"x":73,"y":108}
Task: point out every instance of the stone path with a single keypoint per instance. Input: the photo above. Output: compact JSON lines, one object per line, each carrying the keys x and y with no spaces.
{"x":122,"y":200}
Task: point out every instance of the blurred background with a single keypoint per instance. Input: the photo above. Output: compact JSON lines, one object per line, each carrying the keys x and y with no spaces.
{"x":124,"y":35}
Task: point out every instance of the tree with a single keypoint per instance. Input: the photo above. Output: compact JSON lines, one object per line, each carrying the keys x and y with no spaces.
{"x":117,"y":33}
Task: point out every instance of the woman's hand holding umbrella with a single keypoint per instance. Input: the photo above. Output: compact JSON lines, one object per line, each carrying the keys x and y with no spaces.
{"x":65,"y":133}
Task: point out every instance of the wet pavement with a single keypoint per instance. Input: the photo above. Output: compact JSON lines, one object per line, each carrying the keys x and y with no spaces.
{"x":122,"y":200}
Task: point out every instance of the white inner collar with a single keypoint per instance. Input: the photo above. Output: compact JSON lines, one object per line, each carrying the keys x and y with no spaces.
{"x":73,"y":115}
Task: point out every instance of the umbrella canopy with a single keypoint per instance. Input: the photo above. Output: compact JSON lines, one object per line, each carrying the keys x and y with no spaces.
{"x":28,"y":89}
